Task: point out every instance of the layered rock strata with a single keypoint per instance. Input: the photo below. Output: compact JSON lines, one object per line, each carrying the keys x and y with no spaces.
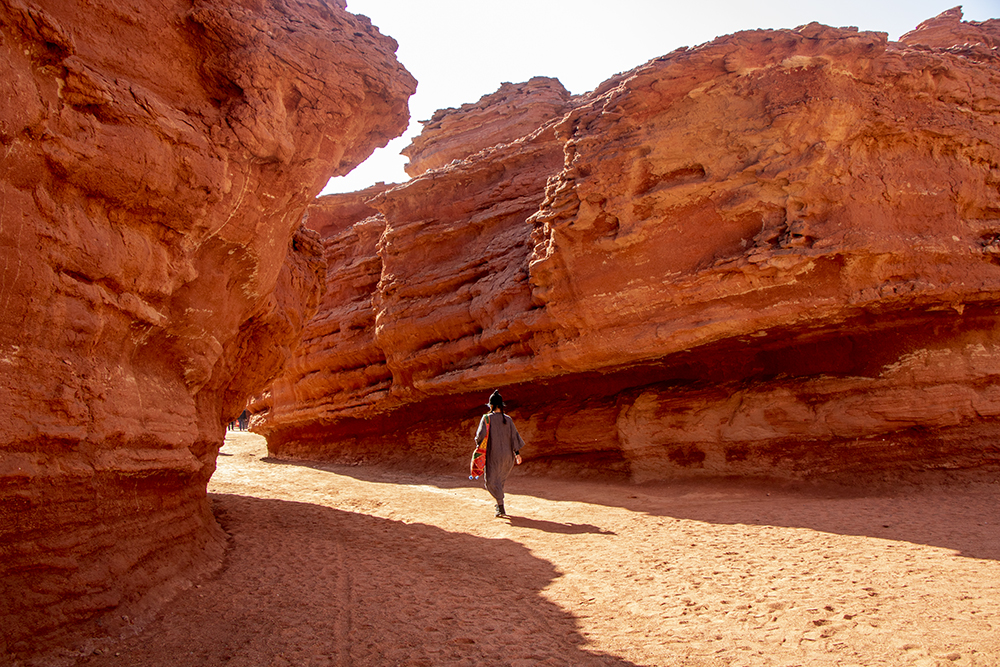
{"x":774,"y":254}
{"x":513,"y":111}
{"x":350,"y":229}
{"x":157,"y":162}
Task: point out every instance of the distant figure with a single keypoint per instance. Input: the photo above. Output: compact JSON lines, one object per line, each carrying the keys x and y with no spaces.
{"x":503,"y":448}
{"x":244,"y":420}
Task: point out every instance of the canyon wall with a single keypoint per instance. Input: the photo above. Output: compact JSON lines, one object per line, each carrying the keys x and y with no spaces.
{"x":774,"y":254}
{"x":510,"y":113}
{"x":158,"y":159}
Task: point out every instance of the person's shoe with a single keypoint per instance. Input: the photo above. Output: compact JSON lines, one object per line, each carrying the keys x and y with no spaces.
{"x":500,"y":511}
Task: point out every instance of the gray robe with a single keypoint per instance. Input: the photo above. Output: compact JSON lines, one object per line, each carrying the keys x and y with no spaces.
{"x":505,"y":442}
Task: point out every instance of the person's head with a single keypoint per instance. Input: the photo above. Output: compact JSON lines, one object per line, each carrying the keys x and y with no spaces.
{"x":496,"y":404}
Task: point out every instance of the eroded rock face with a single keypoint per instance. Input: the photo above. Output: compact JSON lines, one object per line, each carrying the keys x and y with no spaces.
{"x":773,"y":254}
{"x":153,"y":269}
{"x":948,"y":30}
{"x":337,"y":360}
{"x":513,"y":111}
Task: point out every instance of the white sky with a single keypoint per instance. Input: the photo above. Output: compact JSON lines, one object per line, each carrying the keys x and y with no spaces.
{"x":460,"y":50}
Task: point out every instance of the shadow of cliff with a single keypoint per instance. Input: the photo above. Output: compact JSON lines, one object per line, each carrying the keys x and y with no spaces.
{"x":953,"y":511}
{"x":306,"y":584}
{"x":388,"y":474}
{"x":958,"y":516}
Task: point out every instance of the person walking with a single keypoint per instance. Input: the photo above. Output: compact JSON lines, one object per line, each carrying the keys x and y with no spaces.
{"x":503,"y":448}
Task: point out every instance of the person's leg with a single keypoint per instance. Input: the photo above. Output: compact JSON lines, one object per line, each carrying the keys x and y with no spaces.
{"x":496,"y":490}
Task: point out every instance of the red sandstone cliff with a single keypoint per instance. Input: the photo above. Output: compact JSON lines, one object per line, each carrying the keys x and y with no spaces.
{"x":772,"y":254}
{"x":501,"y":117}
{"x":336,"y":362}
{"x":948,"y":30}
{"x":157,"y":162}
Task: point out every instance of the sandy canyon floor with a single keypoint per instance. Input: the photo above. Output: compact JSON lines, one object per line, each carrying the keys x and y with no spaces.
{"x":333,"y":565}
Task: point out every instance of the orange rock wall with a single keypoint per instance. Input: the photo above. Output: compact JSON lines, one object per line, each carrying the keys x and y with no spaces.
{"x":510,"y":113}
{"x":773,"y":254}
{"x":337,"y":360}
{"x":158,"y":160}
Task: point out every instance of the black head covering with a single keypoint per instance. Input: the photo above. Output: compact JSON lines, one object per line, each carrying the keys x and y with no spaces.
{"x":496,"y":401}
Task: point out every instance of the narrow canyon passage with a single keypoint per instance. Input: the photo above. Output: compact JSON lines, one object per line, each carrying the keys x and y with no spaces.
{"x":360,"y":566}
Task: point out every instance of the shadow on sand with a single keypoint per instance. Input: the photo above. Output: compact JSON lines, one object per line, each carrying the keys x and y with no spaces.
{"x":306,"y":584}
{"x":956,"y":512}
{"x":555,"y":527}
